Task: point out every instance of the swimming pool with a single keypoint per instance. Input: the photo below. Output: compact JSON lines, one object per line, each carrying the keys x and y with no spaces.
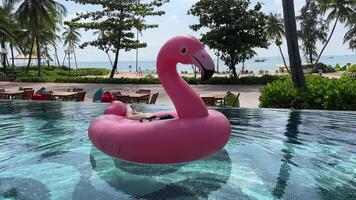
{"x":272,"y":154}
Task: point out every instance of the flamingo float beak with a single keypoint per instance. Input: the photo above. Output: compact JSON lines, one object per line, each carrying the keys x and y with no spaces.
{"x":205,"y":63}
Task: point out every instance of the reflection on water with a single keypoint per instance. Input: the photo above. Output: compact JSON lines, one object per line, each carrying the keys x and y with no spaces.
{"x":145,"y":170}
{"x":287,"y":154}
{"x":272,"y":154}
{"x":23,"y":188}
{"x":164,"y":181}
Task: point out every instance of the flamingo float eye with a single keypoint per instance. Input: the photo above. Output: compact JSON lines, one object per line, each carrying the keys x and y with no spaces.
{"x":183,"y":50}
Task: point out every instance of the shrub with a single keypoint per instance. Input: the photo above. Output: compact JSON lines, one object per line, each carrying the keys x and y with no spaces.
{"x":91,"y":72}
{"x":248,"y":80}
{"x":2,"y":75}
{"x":230,"y":99}
{"x":321,"y":93}
{"x":324,"y":68}
{"x":61,"y":71}
{"x":351,"y":72}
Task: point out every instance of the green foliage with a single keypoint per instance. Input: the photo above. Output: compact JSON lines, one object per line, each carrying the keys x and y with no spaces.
{"x":275,"y":32}
{"x":352,"y":68}
{"x":149,"y":76}
{"x":351,"y":72}
{"x":71,"y":36}
{"x":6,"y":32}
{"x":50,"y":72}
{"x":275,"y":27}
{"x":39,"y":19}
{"x":313,"y":28}
{"x":344,"y":68}
{"x":337,"y":67}
{"x":338,"y":11}
{"x":2,"y":75}
{"x":69,"y":78}
{"x":350,"y":35}
{"x":321,"y":93}
{"x":90,"y":72}
{"x":117,"y":22}
{"x":234,"y":28}
{"x":324,"y":68}
{"x":230,"y":99}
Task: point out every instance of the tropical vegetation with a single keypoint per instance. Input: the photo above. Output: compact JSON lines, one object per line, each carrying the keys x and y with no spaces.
{"x":275,"y":32}
{"x":117,"y":20}
{"x":313,"y":29}
{"x":233,"y":29}
{"x":338,"y":11}
{"x":321,"y":93}
{"x":71,"y":39}
{"x":40,"y":18}
{"x":39,"y":21}
{"x":292,"y":44}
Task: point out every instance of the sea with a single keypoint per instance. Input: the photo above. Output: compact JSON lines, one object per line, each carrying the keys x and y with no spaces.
{"x":256,"y":64}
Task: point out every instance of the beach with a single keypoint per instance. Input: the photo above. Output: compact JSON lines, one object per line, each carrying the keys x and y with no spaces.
{"x":249,"y":94}
{"x":255,"y":64}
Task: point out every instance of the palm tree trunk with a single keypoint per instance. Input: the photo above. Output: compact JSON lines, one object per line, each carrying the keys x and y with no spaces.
{"x":38,"y":56}
{"x":65,"y":55}
{"x":233,"y":65}
{"x":243,"y":67}
{"x":292,"y":43}
{"x":115,"y":64}
{"x":233,"y":69}
{"x":310,"y":57}
{"x":75,"y":59}
{"x":3,"y":56}
{"x":109,"y":59}
{"x":47,"y":56}
{"x":30,"y":56}
{"x":7,"y":61}
{"x":195,"y":71}
{"x":56,"y":52}
{"x":284,"y":60}
{"x":69,"y":62}
{"x":217,"y":62}
{"x":12,"y":55}
{"x":327,"y":42}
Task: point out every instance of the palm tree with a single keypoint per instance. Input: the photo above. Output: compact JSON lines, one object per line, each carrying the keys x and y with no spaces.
{"x":6,"y":33}
{"x":350,"y":35}
{"x":71,"y":36}
{"x":8,"y":9}
{"x":71,"y":39}
{"x":49,"y":38}
{"x":275,"y":32}
{"x":101,"y":34}
{"x":38,"y":16}
{"x":340,"y":11}
{"x":292,"y":43}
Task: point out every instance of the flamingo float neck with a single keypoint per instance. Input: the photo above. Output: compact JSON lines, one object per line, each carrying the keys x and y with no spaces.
{"x":187,"y":102}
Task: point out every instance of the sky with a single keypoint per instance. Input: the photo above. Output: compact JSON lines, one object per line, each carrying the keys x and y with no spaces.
{"x":176,"y":22}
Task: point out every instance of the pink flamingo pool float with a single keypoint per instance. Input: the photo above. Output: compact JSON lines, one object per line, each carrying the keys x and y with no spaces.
{"x":194,"y":133}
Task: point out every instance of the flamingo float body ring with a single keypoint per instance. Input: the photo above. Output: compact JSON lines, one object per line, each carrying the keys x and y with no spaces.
{"x":192,"y":134}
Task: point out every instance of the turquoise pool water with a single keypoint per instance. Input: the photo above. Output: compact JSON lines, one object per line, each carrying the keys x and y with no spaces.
{"x":272,"y":154}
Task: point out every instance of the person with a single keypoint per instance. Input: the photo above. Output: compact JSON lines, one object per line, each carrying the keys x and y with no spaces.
{"x":122,"y":109}
{"x":320,"y":72}
{"x":132,"y":114}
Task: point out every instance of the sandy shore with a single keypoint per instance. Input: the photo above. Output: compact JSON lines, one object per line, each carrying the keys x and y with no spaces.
{"x":135,"y":75}
{"x":249,"y":93}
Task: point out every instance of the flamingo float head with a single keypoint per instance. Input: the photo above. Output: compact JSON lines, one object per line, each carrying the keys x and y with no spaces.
{"x":187,"y":50}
